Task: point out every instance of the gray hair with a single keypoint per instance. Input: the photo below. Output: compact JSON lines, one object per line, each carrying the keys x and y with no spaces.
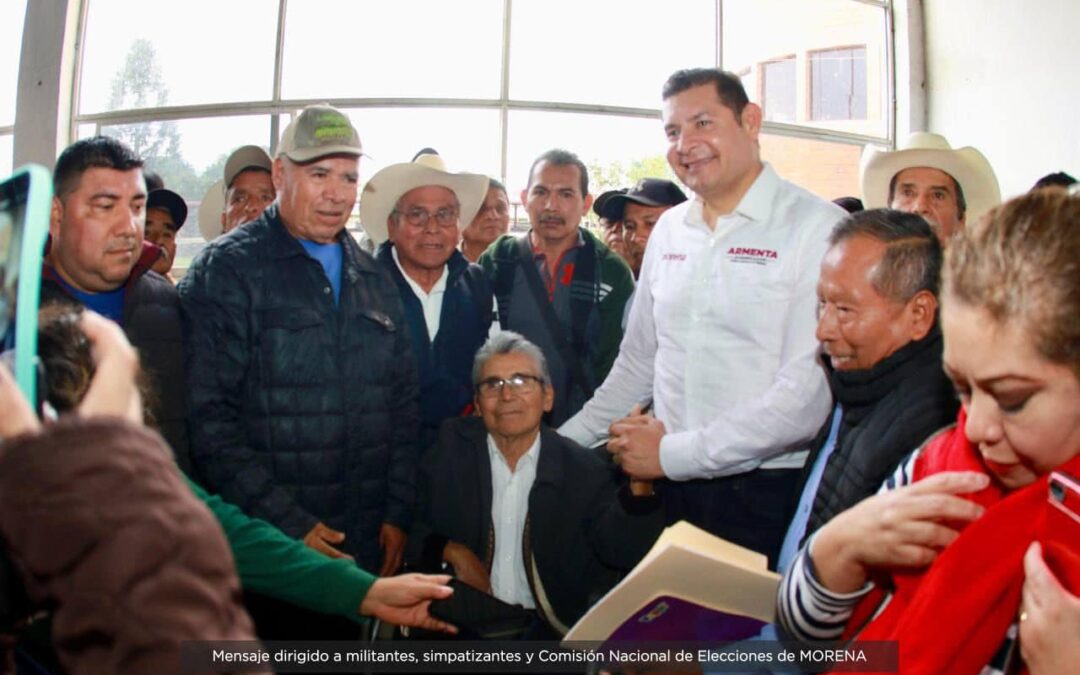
{"x":509,"y":342}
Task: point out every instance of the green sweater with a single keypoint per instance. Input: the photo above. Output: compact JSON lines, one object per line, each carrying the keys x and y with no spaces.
{"x":272,"y":563}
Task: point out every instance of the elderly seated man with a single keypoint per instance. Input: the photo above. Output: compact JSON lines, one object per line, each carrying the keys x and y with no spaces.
{"x":519,"y":511}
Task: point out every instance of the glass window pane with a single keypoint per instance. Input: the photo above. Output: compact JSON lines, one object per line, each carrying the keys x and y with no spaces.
{"x":759,"y":32}
{"x":827,"y":169}
{"x":617,"y":150}
{"x":609,"y":52}
{"x":190,"y":156}
{"x":413,"y":48}
{"x":778,"y":90}
{"x":7,"y":155}
{"x":12,"y":15}
{"x":838,"y":84}
{"x":466,"y":139}
{"x":141,"y":55}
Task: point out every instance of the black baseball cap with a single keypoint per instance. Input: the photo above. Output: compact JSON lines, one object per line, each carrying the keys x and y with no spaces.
{"x":648,"y":192}
{"x":171,"y":202}
{"x":600,"y":203}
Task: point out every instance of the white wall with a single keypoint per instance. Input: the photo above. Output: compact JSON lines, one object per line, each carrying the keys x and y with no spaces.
{"x":1001,"y":76}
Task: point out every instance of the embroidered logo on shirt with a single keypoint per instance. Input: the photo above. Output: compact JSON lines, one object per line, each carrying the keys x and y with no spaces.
{"x":674,"y":256}
{"x":757,"y":256}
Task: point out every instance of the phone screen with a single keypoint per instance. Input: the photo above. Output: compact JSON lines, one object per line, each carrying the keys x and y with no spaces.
{"x":24,"y":222}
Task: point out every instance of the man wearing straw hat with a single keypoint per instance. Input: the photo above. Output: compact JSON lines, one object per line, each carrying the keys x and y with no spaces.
{"x":925,"y":175}
{"x":303,"y":387}
{"x":415,"y":212}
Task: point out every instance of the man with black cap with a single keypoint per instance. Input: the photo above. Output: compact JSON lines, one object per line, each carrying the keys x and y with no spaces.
{"x":637,"y":210}
{"x":165,"y":215}
{"x":303,"y":404}
{"x":612,"y":229}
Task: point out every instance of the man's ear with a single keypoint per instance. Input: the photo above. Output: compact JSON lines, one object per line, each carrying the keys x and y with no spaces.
{"x":549,"y":397}
{"x":56,"y":214}
{"x":922,"y":312}
{"x":751,"y":120}
{"x":588,"y":202}
{"x":277,"y":174}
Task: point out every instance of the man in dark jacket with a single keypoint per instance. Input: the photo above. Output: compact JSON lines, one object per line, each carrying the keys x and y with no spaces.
{"x":97,"y":257}
{"x":559,"y":285}
{"x":877,"y":323}
{"x":303,"y":387}
{"x":415,"y":212}
{"x":519,"y":511}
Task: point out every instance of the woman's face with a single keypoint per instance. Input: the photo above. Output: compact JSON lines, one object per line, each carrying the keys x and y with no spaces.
{"x":1023,"y":411}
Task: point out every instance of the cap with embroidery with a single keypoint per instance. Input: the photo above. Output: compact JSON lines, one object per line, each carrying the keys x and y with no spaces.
{"x":318,"y":131}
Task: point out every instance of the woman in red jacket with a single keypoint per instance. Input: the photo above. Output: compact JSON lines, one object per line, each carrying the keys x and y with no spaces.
{"x":969,"y":557}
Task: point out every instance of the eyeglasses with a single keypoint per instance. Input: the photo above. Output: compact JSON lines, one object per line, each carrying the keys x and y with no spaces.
{"x":418,"y":217}
{"x":519,"y":384}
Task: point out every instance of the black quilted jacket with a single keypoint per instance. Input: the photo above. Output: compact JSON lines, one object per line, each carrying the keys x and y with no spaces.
{"x":300,"y":411}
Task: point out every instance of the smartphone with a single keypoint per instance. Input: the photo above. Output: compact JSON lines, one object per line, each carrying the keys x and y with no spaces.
{"x":25,"y":199}
{"x":1064,"y":497}
{"x":474,"y":611}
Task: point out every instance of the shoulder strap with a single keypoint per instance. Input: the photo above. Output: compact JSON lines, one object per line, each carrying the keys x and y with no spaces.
{"x":536,"y":286}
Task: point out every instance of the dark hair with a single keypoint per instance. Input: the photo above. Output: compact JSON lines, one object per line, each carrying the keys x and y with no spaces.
{"x":912,"y":259}
{"x":98,"y":152}
{"x":68,"y":364}
{"x":961,"y":202}
{"x":1058,"y":179}
{"x":492,"y":183}
{"x":849,"y":204}
{"x":154,"y":181}
{"x":558,"y":157}
{"x":729,"y":88}
{"x":1020,"y":263}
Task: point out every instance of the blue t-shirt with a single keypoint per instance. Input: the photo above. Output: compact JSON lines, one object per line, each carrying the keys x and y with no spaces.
{"x":109,"y":304}
{"x":329,"y":256}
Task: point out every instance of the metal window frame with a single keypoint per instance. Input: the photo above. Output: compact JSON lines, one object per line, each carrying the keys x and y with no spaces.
{"x":277,"y":106}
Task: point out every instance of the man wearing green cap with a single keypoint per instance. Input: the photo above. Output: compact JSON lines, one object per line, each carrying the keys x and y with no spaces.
{"x":303,"y":396}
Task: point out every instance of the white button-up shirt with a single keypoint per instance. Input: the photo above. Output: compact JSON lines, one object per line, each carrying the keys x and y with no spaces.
{"x":430,"y":302}
{"x":721,"y":335}
{"x":509,"y":507}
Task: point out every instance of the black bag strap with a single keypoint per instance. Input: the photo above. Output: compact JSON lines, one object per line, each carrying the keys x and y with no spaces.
{"x":547,"y":312}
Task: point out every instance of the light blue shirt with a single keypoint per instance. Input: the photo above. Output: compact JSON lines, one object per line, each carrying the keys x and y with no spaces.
{"x":797,"y":528}
{"x":329,"y":256}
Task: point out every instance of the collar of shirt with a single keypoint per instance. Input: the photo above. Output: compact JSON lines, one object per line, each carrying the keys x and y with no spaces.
{"x":529,"y":459}
{"x":439,"y":287}
{"x":756,"y":204}
{"x":539,"y":253}
{"x":430,"y":303}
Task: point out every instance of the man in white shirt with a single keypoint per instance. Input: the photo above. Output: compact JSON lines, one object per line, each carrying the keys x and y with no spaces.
{"x":721,"y":334}
{"x":519,"y":511}
{"x":414,"y":212}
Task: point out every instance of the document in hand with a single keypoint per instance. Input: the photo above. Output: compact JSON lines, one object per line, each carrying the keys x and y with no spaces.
{"x":690,"y":586}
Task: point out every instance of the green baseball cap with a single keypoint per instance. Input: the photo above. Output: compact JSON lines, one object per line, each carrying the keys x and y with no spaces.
{"x":318,"y":131}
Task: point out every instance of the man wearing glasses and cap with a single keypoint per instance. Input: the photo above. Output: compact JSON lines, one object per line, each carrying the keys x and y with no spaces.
{"x":414,"y":212}
{"x":303,"y":396}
